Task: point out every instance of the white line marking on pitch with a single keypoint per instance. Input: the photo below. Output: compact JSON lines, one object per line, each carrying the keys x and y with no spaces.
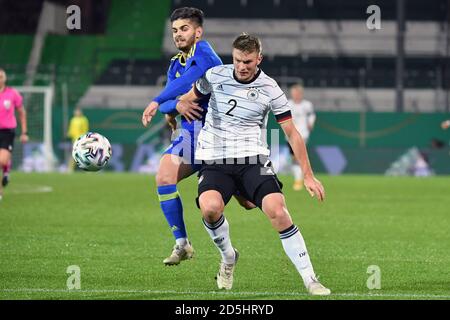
{"x":31,"y":189}
{"x":265,"y":293}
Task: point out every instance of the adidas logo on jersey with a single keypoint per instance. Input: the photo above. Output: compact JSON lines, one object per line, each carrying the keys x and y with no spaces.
{"x":219,"y":87}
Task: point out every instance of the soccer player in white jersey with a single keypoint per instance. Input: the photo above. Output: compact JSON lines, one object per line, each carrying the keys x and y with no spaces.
{"x":304,"y":118}
{"x":234,"y":154}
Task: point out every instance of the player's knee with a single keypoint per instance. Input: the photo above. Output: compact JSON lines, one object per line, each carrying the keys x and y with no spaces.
{"x":280,"y":217}
{"x":280,"y":213}
{"x":211,"y":208}
{"x":164,"y":178}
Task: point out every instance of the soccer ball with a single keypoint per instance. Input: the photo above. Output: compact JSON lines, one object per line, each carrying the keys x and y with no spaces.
{"x":91,"y":151}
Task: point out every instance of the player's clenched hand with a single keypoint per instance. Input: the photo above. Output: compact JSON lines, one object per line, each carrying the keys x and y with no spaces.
{"x":149,"y":113}
{"x":190,"y":110}
{"x":314,"y":187}
{"x":172,"y":121}
{"x":445,"y":124}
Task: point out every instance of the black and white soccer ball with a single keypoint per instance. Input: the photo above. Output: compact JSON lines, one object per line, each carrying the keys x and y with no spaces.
{"x":91,"y":151}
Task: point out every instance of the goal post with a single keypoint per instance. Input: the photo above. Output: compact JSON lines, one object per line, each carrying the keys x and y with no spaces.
{"x":38,"y":153}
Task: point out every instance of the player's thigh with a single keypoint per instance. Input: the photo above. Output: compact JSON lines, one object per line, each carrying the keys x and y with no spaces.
{"x":6,"y":145}
{"x":214,"y":178}
{"x":258,"y":180}
{"x":172,"y":170}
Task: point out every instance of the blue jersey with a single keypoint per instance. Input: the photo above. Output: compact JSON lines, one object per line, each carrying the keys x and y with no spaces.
{"x":181,"y":76}
{"x":201,"y":55}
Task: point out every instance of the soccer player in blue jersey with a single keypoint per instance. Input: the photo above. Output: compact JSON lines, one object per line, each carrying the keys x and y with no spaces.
{"x":177,"y":163}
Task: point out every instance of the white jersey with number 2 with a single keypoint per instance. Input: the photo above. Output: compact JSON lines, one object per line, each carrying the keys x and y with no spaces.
{"x":237,"y":114}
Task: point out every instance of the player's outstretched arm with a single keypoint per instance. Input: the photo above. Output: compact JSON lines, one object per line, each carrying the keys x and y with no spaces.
{"x":171,"y":91}
{"x":313,"y":185}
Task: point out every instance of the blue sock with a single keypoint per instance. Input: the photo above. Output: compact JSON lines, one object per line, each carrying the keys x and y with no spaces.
{"x":171,"y":205}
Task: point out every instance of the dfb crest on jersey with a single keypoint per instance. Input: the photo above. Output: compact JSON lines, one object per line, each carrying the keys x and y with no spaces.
{"x":7,"y":104}
{"x":252,"y":94}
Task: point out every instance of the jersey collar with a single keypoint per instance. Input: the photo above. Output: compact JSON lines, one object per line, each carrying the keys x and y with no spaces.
{"x":249,"y":81}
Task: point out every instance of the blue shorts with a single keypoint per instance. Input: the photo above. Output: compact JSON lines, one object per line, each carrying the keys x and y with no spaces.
{"x":184,"y":146}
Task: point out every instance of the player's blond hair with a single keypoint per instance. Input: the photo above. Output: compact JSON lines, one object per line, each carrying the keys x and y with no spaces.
{"x":248,"y":43}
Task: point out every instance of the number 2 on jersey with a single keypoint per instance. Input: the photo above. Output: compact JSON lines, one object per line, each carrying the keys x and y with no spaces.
{"x":234,"y":104}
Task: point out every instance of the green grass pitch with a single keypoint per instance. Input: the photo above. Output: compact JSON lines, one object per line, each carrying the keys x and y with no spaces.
{"x":110,"y":225}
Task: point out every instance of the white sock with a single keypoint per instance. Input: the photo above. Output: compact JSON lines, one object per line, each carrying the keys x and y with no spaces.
{"x":295,"y":248}
{"x":219,"y":232}
{"x":181,"y":241}
{"x":298,"y":175}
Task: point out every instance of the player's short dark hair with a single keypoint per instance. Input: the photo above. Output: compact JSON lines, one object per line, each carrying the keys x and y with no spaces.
{"x":298,"y":85}
{"x":248,"y":43}
{"x":193,"y":14}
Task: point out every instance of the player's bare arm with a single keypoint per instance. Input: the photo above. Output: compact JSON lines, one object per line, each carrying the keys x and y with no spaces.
{"x":23,"y":123}
{"x":313,"y":185}
{"x":149,"y":113}
{"x":186,"y":107}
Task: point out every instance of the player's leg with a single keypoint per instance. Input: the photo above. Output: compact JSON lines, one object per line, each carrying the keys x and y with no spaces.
{"x":262,"y":184}
{"x":274,"y":206}
{"x":71,"y":165}
{"x":298,"y":176}
{"x":6,"y":147}
{"x":243,"y":202}
{"x":215,"y":190}
{"x":171,"y":170}
{"x":296,"y":171}
{"x":6,"y":170}
{"x":5,"y":158}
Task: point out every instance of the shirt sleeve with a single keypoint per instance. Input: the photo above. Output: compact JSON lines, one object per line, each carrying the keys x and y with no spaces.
{"x":280,"y":105}
{"x":203,"y":86}
{"x":180,"y":85}
{"x":205,"y":57}
{"x":169,"y":106}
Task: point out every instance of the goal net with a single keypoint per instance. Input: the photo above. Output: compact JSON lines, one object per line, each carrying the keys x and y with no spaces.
{"x":37,"y":154}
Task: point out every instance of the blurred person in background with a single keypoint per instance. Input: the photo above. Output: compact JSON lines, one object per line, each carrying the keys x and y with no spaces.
{"x":10,"y":101}
{"x":78,"y":126}
{"x":304,"y":119}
